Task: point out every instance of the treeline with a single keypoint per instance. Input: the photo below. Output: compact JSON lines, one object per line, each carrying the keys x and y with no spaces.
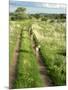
{"x":55,"y":16}
{"x":49,"y":16}
{"x":20,"y":14}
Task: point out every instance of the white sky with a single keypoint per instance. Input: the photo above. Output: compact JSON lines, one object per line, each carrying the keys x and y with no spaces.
{"x":54,"y":1}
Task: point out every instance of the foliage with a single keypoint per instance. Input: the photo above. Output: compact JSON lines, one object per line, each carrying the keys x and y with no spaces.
{"x":27,"y":73}
{"x":48,"y":31}
{"x":51,"y":37}
{"x":19,"y":14}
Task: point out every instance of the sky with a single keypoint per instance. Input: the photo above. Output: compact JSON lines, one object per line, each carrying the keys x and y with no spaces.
{"x":38,"y":7}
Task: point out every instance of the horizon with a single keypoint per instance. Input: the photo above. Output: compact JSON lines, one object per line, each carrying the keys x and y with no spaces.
{"x":38,"y":7}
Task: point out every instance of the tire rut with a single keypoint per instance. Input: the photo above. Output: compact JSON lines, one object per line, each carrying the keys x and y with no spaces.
{"x":42,"y":68}
{"x":12,"y":67}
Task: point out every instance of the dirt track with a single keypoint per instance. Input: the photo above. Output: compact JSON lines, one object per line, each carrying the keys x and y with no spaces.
{"x":42,"y":68}
{"x":12,"y":67}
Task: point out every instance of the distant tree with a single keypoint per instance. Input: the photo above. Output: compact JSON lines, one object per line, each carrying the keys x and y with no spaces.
{"x":37,"y":16}
{"x":62,"y":16}
{"x":20,"y":10}
{"x":19,"y":14}
{"x":44,"y":18}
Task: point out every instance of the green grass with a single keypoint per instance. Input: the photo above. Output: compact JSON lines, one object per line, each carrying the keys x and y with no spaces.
{"x":27,"y":75}
{"x":13,"y":37}
{"x":51,"y":37}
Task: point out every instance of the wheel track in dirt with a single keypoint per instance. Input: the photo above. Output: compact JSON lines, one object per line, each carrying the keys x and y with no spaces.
{"x":42,"y":68}
{"x":43,"y":71}
{"x":12,"y":67}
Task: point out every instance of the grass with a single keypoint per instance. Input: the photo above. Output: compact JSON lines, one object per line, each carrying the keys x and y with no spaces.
{"x":27,"y":74}
{"x":51,"y":37}
{"x":13,"y":36}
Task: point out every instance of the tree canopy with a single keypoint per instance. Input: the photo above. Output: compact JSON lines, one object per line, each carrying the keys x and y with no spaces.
{"x":19,"y":14}
{"x":20,"y":10}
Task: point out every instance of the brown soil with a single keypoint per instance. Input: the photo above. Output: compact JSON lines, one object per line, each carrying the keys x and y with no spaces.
{"x":12,"y":67}
{"x":43,"y":71}
{"x":42,"y":68}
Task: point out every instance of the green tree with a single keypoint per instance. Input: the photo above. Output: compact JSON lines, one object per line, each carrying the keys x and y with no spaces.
{"x":19,"y":14}
{"x":20,"y":10}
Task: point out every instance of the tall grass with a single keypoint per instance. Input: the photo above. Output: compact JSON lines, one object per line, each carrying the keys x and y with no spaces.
{"x":14,"y":34}
{"x":51,"y":37}
{"x":27,"y":74}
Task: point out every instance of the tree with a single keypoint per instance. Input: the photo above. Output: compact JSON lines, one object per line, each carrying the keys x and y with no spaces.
{"x":19,"y":14}
{"x":20,"y":10}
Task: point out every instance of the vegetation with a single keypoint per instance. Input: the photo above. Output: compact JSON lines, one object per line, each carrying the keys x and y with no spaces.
{"x":27,"y":69}
{"x":19,"y":14}
{"x":49,"y":32}
{"x":14,"y":35}
{"x":51,"y":37}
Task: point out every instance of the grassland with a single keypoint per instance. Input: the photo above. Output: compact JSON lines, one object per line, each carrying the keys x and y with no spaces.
{"x":51,"y":38}
{"x":14,"y":35}
{"x":27,"y":73}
